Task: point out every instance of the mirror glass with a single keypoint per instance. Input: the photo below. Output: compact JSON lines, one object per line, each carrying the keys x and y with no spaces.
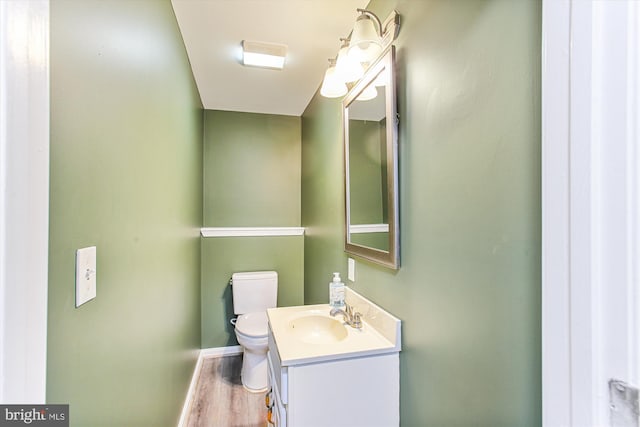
{"x":370,"y":142}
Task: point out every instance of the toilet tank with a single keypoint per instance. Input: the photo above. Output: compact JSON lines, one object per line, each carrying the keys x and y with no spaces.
{"x":254,"y":291}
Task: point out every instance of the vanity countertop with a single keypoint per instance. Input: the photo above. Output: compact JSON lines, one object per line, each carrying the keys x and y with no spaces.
{"x":326,"y":339}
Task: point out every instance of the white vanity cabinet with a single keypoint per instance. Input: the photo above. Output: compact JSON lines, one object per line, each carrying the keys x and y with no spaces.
{"x":325,"y":373}
{"x":350,"y":392}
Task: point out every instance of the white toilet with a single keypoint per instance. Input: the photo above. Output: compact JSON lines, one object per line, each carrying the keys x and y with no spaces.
{"x":253,"y":293}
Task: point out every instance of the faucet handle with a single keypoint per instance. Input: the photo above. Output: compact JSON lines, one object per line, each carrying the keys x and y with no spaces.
{"x":357,"y":320}
{"x":348,"y":309}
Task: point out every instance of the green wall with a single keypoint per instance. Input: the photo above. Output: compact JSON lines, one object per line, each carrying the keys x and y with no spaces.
{"x":251,"y":178}
{"x":126,"y":176}
{"x":468,"y":290}
{"x":251,"y":170}
{"x":322,"y":197}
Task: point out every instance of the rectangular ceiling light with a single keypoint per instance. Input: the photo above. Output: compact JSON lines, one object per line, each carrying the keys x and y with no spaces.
{"x":265,"y":55}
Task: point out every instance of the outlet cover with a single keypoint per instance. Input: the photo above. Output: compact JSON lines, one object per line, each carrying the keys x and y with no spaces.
{"x":85,"y":275}
{"x":351,"y":270}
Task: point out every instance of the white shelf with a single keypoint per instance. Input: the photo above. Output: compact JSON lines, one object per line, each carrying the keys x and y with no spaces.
{"x":251,"y":231}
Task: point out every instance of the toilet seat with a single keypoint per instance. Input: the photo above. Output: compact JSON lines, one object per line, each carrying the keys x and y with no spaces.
{"x":253,"y":324}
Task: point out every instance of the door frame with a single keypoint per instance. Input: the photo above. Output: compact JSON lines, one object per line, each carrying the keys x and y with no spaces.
{"x":24,"y":199}
{"x":590,"y":206}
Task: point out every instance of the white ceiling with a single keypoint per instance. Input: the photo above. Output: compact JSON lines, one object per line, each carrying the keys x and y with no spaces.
{"x":214,"y":29}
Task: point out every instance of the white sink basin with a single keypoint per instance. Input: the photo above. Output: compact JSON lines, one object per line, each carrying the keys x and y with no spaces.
{"x":316,"y":329}
{"x":308,"y":334}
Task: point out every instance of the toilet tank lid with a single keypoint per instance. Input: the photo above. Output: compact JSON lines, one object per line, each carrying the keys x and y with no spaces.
{"x":254,"y":275}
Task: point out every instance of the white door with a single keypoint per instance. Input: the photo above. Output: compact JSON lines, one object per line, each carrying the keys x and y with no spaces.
{"x":591,"y":212}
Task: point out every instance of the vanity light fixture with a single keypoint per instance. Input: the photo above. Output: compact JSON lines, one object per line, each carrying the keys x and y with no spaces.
{"x":332,"y":85}
{"x":368,"y":39}
{"x":263,"y":55}
{"x":347,"y":68}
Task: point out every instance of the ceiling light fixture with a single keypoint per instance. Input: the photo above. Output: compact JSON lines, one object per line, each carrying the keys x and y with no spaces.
{"x":368,"y":39}
{"x":263,"y":55}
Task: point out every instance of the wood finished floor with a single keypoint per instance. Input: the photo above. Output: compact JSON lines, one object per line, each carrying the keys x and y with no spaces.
{"x":220,"y":399}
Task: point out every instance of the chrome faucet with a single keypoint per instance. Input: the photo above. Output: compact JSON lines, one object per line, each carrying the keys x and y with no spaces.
{"x":351,"y":318}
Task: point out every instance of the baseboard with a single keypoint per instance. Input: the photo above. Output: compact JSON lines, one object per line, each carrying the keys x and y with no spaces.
{"x":221,"y":351}
{"x":205,"y":353}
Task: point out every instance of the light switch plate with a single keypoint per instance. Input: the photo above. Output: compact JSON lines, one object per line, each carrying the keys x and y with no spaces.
{"x":85,"y":275}
{"x":351,"y":270}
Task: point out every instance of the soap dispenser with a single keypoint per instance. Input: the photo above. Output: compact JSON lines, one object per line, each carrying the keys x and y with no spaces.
{"x":336,"y":292}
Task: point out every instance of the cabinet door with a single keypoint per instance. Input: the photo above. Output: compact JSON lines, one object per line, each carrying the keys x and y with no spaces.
{"x":279,"y":371}
{"x":277,"y":411}
{"x":359,"y":392}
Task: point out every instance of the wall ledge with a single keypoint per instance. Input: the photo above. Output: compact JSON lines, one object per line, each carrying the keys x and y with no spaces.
{"x":368,"y":228}
{"x":250,"y":231}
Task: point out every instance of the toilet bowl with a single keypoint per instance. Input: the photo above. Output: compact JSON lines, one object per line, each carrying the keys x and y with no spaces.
{"x":251,"y":332}
{"x":253,"y":293}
